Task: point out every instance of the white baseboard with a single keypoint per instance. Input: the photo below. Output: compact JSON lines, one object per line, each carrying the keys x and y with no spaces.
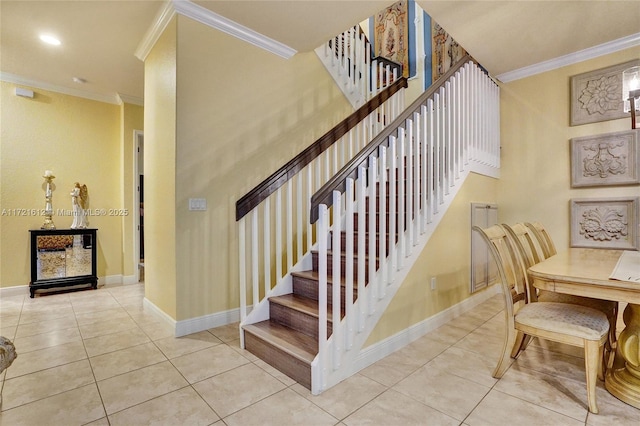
{"x":379,"y":350}
{"x":18,"y":290}
{"x":159,"y":313}
{"x":194,"y":325}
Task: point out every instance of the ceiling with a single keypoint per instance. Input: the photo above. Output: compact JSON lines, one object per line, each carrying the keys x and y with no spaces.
{"x":99,"y":37}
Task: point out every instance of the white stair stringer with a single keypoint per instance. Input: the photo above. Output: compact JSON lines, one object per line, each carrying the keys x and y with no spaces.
{"x":352,"y":361}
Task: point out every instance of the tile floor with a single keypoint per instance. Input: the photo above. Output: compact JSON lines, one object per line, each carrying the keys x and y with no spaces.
{"x":97,"y":358}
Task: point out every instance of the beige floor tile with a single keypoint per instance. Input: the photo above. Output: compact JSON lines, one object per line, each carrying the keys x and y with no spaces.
{"x":7,"y":319}
{"x":486,"y":344}
{"x":100,"y":422}
{"x":552,"y":363}
{"x":547,"y":345}
{"x":226,"y":333}
{"x":116,"y":341}
{"x":181,"y":407}
{"x":394,"y":408}
{"x":559,"y":394}
{"x":423,"y":349}
{"x":467,"y":322}
{"x":9,"y":332}
{"x":174,"y":347}
{"x":155,"y":329}
{"x":125,"y":360}
{"x":393,"y":368}
{"x":43,"y":359}
{"x":346,"y":397}
{"x":235,"y":345}
{"x":28,"y":316}
{"x":447,"y":393}
{"x":33,"y":328}
{"x":75,"y":407}
{"x":135,"y":387}
{"x":283,"y":408}
{"x":110,"y":315}
{"x":208,"y":362}
{"x":448,"y":334}
{"x":236,"y":389}
{"x":500,"y":409}
{"x":288,"y":381}
{"x":42,"y":384}
{"x":612,"y":411}
{"x":467,"y":365}
{"x":105,"y":327}
{"x":47,"y":340}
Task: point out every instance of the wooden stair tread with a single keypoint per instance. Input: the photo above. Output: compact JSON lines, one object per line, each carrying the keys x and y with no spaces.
{"x":312,"y":275}
{"x":299,"y":303}
{"x":295,"y":343}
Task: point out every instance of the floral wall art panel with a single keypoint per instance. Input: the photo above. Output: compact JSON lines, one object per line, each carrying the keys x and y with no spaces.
{"x":597,"y":95}
{"x":606,"y":159}
{"x":393,"y":35}
{"x":445,"y":50}
{"x":610,"y":223}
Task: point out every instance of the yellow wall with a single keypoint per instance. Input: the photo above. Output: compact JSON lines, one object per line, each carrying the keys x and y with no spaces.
{"x":536,"y":166}
{"x":79,"y":140}
{"x":447,"y":257}
{"x":160,"y":172}
{"x":242,"y":113}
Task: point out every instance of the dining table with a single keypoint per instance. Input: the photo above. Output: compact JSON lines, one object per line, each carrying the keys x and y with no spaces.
{"x":609,"y":275}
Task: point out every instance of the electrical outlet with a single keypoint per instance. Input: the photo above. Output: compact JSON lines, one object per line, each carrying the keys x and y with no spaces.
{"x":433,"y":283}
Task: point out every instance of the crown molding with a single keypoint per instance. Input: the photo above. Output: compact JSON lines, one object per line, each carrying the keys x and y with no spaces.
{"x":572,"y":58}
{"x":156,"y":29}
{"x":212,"y":20}
{"x":22,"y":81}
{"x":128,"y":99}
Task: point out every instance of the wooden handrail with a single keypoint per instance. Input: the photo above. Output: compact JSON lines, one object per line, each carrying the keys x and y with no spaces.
{"x":350,"y":170}
{"x":267,"y":187}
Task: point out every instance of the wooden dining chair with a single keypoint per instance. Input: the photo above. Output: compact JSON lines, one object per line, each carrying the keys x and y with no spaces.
{"x":544,"y":239}
{"x":560,"y":322}
{"x":526,"y":235}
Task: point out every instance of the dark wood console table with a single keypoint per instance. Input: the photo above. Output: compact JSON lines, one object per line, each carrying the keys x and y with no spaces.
{"x":63,"y":258}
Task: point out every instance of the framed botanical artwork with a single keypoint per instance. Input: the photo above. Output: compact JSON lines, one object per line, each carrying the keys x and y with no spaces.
{"x":597,"y":95}
{"x":610,"y":223}
{"x":606,"y":159}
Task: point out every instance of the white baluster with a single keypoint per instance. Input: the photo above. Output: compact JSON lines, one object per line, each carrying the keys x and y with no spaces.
{"x":431,"y":159}
{"x":255,"y":281}
{"x":289,"y":221}
{"x":299,"y":207}
{"x":393,"y":204}
{"x":308,"y":197}
{"x":401,"y":198}
{"x":349,"y":311}
{"x":382,"y":230}
{"x":416,"y":176}
{"x":267,"y":245}
{"x":371,"y":254}
{"x":242,"y":275}
{"x":447,"y":143}
{"x":361,"y":188}
{"x":408,"y":193}
{"x":423,"y":174}
{"x":323,"y":230}
{"x":336,"y":278}
{"x":279,"y":253}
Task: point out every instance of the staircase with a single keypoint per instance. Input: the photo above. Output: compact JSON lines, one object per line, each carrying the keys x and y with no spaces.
{"x":317,"y":267}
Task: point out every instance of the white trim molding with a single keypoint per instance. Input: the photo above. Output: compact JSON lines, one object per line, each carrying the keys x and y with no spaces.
{"x":210,"y":19}
{"x":37,"y":84}
{"x":572,"y":58}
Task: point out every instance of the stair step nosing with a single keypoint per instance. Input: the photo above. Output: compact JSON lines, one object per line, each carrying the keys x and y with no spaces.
{"x":277,"y":342}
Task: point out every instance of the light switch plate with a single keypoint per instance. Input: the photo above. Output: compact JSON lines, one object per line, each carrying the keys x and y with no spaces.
{"x":197,"y":204}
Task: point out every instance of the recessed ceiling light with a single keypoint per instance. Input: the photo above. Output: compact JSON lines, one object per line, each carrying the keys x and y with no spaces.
{"x":49,"y":39}
{"x":79,"y":80}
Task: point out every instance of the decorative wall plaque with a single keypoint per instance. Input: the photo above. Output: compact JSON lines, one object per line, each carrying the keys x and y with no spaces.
{"x":610,"y":223}
{"x":597,"y":95}
{"x":606,"y":159}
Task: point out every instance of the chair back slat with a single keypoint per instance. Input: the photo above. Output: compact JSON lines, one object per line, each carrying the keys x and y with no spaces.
{"x":543,"y":237}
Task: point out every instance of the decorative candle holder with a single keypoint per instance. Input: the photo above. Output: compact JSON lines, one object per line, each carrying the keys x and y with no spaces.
{"x":48,"y":207}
